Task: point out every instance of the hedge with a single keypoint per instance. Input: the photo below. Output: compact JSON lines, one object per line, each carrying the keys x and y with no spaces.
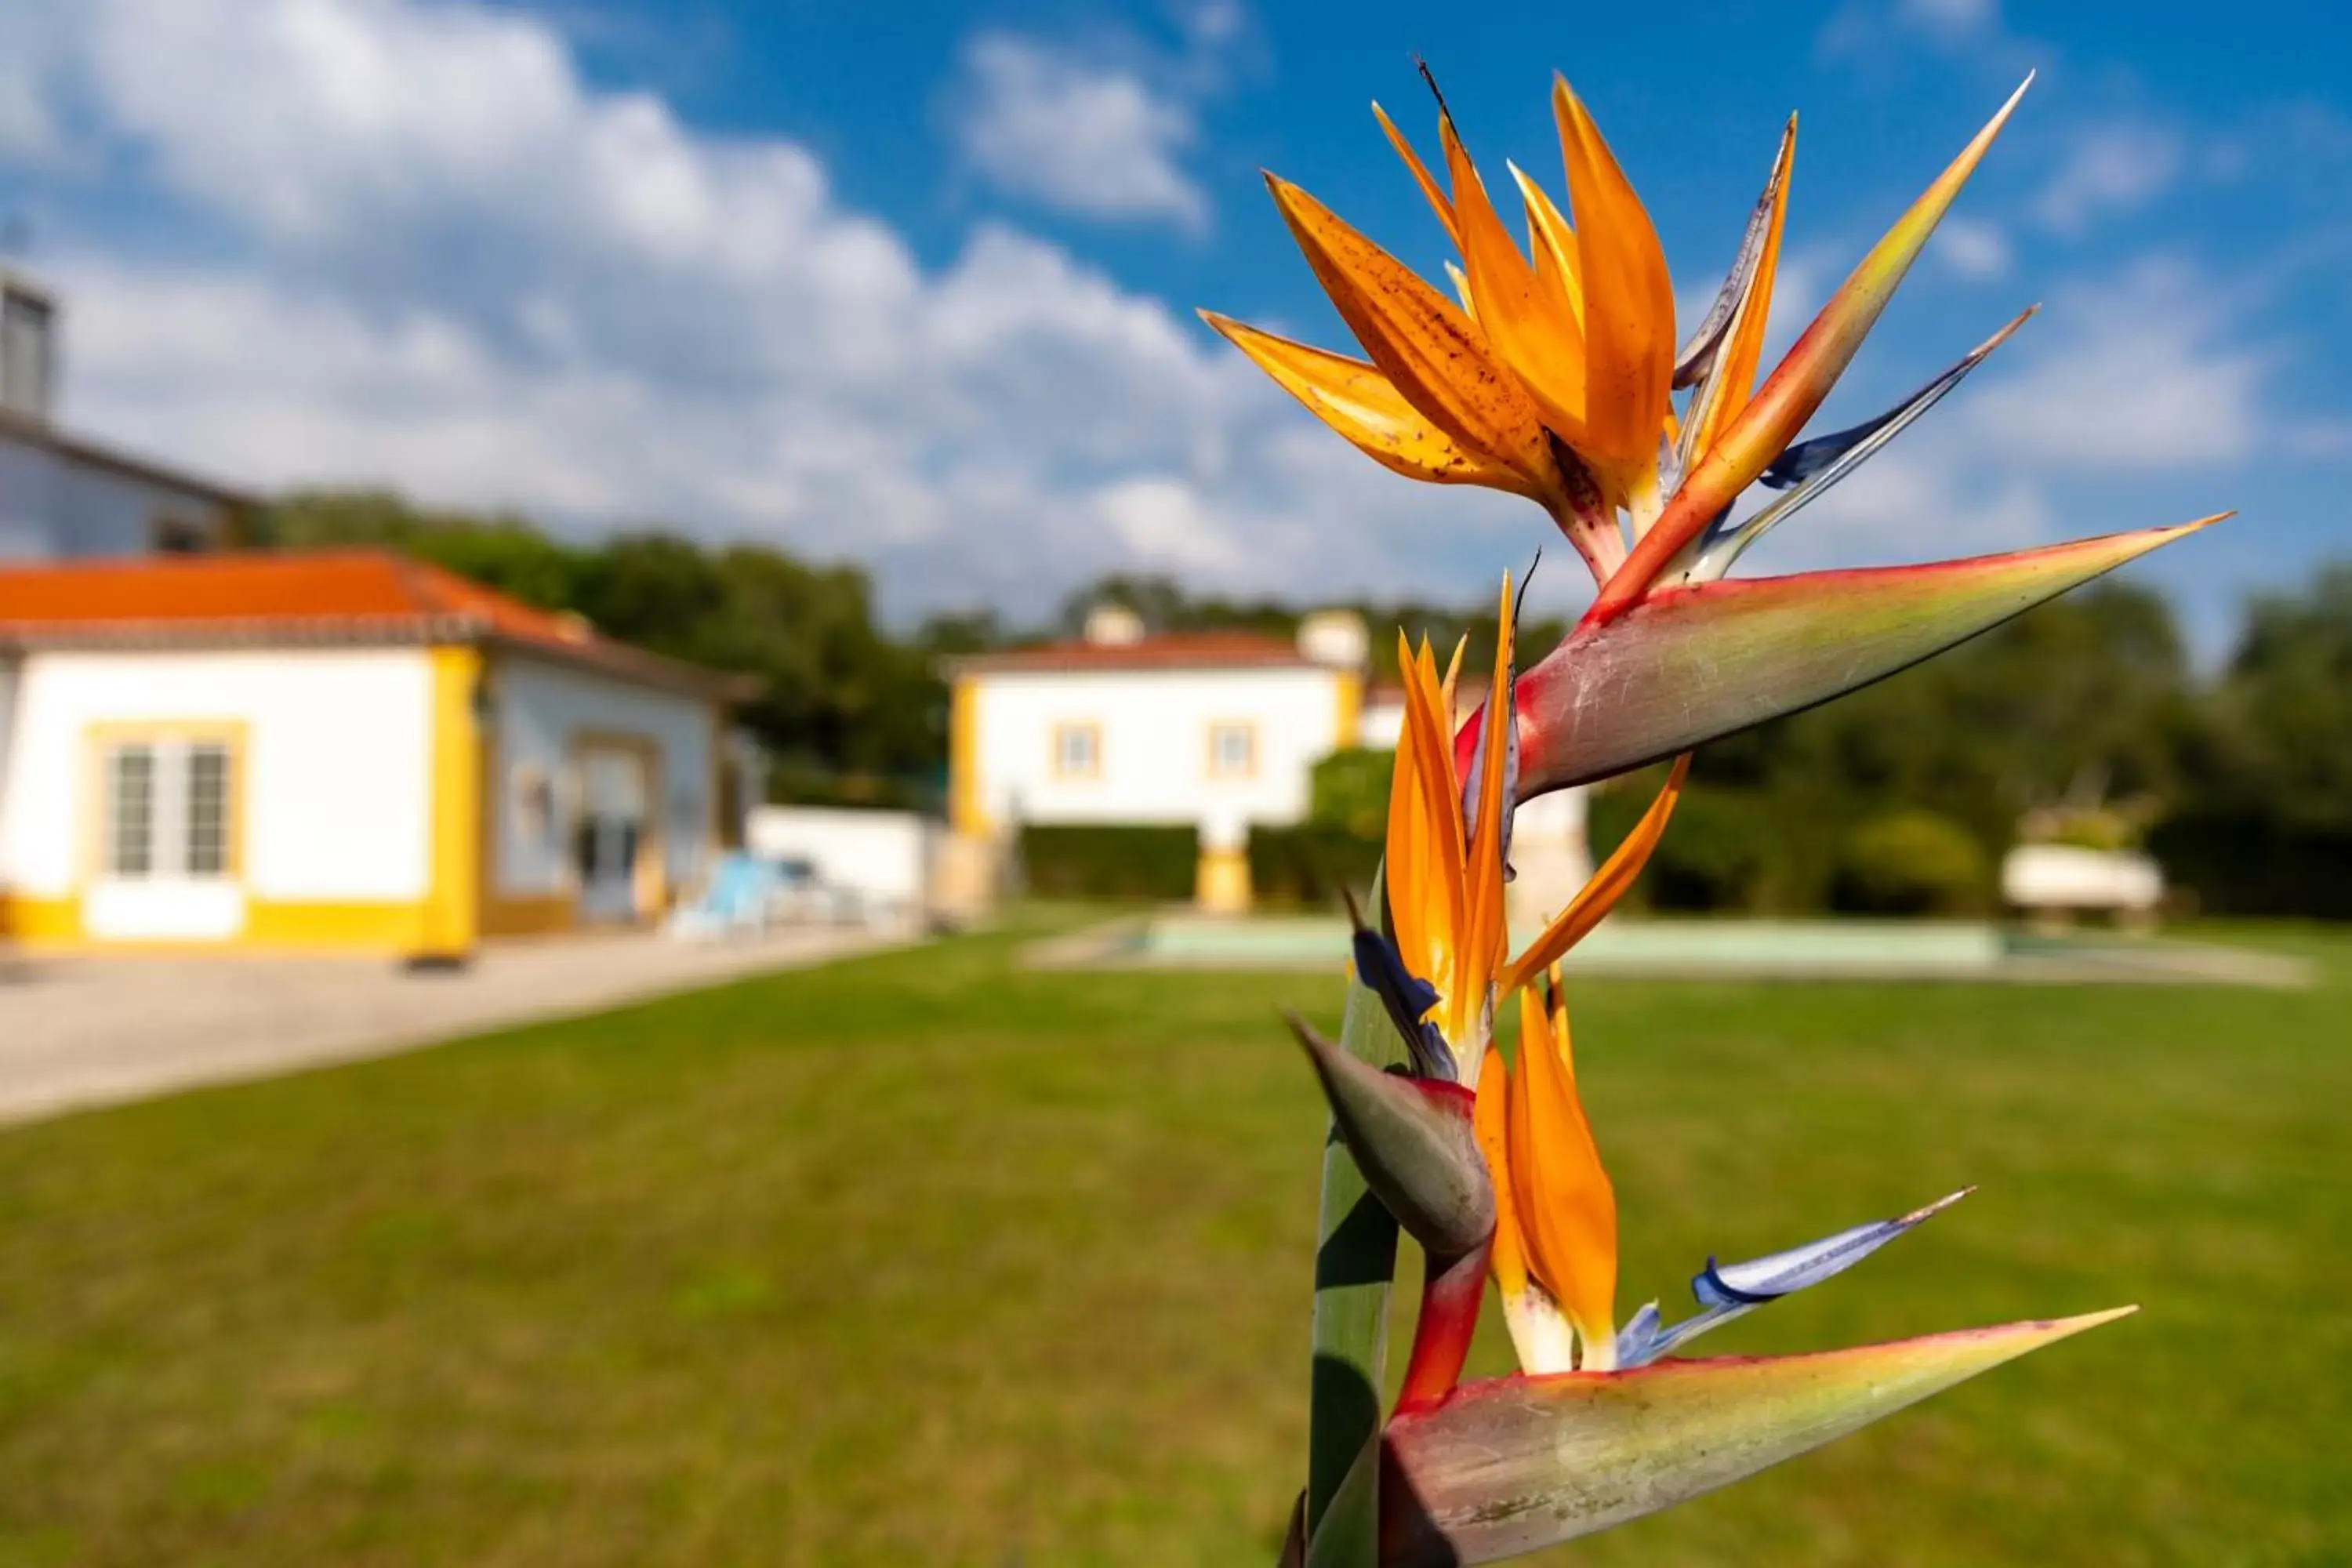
{"x":1913,"y":863}
{"x":1349,"y":790}
{"x":1307,"y":865}
{"x":1301,"y":867}
{"x":1110,"y":861}
{"x":1761,"y":851}
{"x":2252,"y":863}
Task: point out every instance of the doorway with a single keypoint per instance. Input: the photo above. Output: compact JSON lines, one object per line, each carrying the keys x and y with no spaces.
{"x":613,"y":855}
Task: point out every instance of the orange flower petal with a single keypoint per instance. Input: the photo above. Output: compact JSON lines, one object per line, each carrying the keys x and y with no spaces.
{"x":1543,"y":347}
{"x":1566,"y":1209}
{"x":1442,"y":207}
{"x":1598,"y":897}
{"x":1424,"y":835}
{"x":1491,"y":1123}
{"x":1629,"y":306}
{"x":1483,"y":940}
{"x":1355,"y":399}
{"x":1553,"y":243}
{"x":1437,"y":357}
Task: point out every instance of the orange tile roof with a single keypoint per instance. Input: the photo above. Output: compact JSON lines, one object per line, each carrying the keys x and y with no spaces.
{"x":1170,"y":650}
{"x":264,"y":598}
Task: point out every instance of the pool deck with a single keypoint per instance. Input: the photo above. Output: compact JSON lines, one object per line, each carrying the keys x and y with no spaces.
{"x":1794,"y":949}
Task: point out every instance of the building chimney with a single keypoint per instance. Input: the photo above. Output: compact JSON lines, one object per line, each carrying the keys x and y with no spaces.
{"x":1113,"y":625}
{"x":1334,"y":638}
{"x":28,"y":347}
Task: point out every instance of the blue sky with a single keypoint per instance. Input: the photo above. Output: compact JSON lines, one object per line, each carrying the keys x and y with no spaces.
{"x":913,"y":284}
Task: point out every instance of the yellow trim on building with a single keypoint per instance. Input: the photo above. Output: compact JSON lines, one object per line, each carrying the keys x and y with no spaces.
{"x":333,"y":927}
{"x":965,"y":813}
{"x":41,"y":922}
{"x":1347,"y":722}
{"x":529,"y":914}
{"x":100,"y":737}
{"x":1065,"y":733}
{"x":268,"y":926}
{"x":451,"y":915}
{"x":1220,"y":881}
{"x":1213,"y":764}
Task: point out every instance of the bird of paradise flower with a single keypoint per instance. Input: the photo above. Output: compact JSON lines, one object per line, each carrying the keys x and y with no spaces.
{"x":1553,"y":376}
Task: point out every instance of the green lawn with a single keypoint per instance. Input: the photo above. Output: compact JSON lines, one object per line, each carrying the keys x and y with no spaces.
{"x":925,"y":1259}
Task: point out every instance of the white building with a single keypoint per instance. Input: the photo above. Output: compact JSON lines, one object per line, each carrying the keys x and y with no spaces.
{"x":1213,"y":730}
{"x":1218,"y":730}
{"x":337,"y":750}
{"x":64,"y":496}
{"x":877,"y":864}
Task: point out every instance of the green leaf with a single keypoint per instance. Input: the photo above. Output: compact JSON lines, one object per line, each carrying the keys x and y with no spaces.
{"x":1355,"y":1264}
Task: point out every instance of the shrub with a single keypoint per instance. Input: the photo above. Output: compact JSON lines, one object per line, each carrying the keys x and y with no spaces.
{"x":1116,"y":860}
{"x":1913,"y":863}
{"x":1307,"y":865}
{"x":1712,"y":858}
{"x":1349,"y":791}
{"x":2249,"y":861}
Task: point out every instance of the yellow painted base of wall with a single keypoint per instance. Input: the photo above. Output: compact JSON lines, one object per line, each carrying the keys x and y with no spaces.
{"x":332,"y":928}
{"x":42,"y":921}
{"x":1221,"y":884}
{"x":396,"y":930}
{"x":539,"y":916}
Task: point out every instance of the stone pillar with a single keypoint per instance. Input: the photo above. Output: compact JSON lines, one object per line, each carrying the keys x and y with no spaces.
{"x":1221,"y":884}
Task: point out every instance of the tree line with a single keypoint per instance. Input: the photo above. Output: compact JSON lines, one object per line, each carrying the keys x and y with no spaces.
{"x":2081,"y":721}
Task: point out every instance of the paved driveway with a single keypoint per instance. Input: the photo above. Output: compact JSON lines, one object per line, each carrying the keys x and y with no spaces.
{"x":84,"y":1031}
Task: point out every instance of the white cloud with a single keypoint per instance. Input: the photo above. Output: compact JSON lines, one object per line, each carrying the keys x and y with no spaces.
{"x":2136,"y":376}
{"x":1097,"y":141}
{"x":1165,"y":523}
{"x":1974,"y":249}
{"x":2110,"y":169}
{"x":2140,"y":376}
{"x":433,"y":256}
{"x":425,"y":252}
{"x":1872,"y":31}
{"x":1951,"y":19}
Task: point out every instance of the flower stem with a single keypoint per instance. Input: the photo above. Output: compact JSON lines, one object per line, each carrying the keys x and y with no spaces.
{"x":1355,"y":1266}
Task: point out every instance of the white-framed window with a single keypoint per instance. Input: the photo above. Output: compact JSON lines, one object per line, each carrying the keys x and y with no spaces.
{"x":205,"y":819}
{"x":130,"y":810}
{"x":1077,"y":751}
{"x":1233,"y":750}
{"x":169,"y":808}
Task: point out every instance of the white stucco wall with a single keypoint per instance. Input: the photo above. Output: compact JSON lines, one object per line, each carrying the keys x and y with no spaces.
{"x":884,"y":855}
{"x":7,"y":739}
{"x":1154,"y":727}
{"x":541,"y":708}
{"x":1382,"y":723}
{"x":52,"y":506}
{"x":335,"y":795}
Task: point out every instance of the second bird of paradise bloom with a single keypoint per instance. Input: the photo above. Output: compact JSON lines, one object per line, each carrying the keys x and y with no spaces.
{"x":1495,"y":1167}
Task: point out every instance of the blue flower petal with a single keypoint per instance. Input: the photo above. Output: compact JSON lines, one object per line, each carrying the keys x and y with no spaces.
{"x":1725,"y":1291}
{"x":1406,"y":997}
